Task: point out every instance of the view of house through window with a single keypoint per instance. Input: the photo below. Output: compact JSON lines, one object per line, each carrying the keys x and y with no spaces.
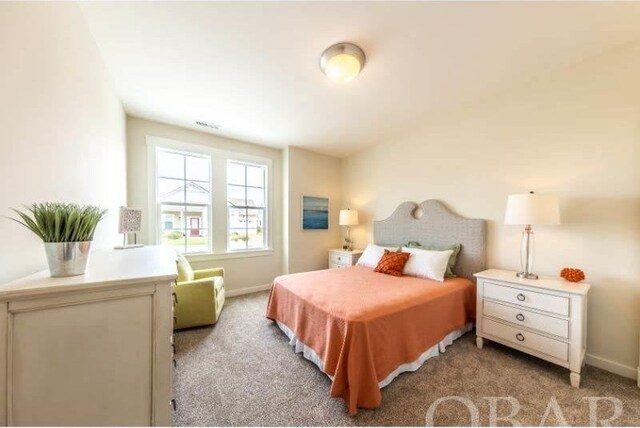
{"x":246,"y":202}
{"x":184,"y":199}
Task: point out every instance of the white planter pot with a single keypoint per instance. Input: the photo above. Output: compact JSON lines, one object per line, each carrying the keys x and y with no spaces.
{"x":67,"y":258}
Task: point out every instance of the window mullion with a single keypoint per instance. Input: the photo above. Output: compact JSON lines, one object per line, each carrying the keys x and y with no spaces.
{"x":210,"y":213}
{"x":265,"y":203}
{"x":184,"y":220}
{"x":246,"y":211}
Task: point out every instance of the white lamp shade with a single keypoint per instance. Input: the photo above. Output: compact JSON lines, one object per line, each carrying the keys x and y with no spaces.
{"x":531,"y":208}
{"x":348,"y":217}
{"x":130,"y":220}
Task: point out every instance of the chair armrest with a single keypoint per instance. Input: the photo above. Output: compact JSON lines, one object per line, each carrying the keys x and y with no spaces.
{"x":208,"y":273}
{"x":196,"y":289}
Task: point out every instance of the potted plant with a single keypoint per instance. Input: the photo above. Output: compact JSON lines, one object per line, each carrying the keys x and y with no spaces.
{"x":67,"y":232}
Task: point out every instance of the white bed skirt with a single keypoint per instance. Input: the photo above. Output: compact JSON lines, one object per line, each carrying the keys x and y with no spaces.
{"x":434,"y":351}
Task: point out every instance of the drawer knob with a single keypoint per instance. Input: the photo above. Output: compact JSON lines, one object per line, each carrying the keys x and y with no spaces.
{"x":520,"y":337}
{"x":520,"y":297}
{"x":175,"y":298}
{"x":520,"y":317}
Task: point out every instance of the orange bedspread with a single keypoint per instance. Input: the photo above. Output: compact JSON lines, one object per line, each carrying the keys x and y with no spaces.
{"x":363,"y":324}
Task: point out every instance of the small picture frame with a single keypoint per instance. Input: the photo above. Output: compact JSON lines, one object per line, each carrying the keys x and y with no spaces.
{"x":315,"y":213}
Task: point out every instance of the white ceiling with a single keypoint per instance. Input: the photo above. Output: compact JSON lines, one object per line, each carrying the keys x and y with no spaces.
{"x":253,"y":68}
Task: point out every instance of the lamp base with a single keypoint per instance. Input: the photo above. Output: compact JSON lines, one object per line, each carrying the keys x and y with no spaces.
{"x":525,"y":275}
{"x":125,"y":242}
{"x":348,"y":242}
{"x":126,"y":247}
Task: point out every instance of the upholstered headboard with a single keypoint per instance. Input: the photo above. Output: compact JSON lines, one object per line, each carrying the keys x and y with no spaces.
{"x":437,"y":225}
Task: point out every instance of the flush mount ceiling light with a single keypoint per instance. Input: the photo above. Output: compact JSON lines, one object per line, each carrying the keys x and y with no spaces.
{"x":342,"y":62}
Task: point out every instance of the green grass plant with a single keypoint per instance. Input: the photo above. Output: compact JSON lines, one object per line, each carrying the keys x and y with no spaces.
{"x":61,"y":222}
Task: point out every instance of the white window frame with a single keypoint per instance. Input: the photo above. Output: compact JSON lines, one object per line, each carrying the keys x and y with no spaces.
{"x":218,"y":218}
{"x":243,"y":159}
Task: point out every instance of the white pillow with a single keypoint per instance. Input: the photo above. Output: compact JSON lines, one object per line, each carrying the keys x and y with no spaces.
{"x":426,"y":264}
{"x":372,"y":255}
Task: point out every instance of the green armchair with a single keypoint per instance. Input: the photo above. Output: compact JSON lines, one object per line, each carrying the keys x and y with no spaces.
{"x":199,"y":295}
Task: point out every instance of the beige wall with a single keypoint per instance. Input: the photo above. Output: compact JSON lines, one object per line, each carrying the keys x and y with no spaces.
{"x":241,"y":273}
{"x":576,"y":134}
{"x":63,"y":128}
{"x":311,"y":174}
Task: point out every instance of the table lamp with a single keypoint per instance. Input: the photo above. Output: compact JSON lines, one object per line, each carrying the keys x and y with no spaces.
{"x":130,"y":222}
{"x":348,"y":218}
{"x":530,"y":209}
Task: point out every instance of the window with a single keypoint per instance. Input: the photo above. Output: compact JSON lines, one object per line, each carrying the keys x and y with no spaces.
{"x":246,"y":203}
{"x":167,"y":220}
{"x":206,"y":202}
{"x":183,"y":199}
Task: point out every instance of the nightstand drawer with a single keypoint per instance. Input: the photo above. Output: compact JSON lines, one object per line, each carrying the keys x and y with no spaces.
{"x":530,"y":299}
{"x":543,"y":323}
{"x":533,"y":341}
{"x":340,"y":258}
{"x":343,"y":258}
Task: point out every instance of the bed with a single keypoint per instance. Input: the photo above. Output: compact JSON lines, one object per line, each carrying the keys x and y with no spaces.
{"x":363,"y":328}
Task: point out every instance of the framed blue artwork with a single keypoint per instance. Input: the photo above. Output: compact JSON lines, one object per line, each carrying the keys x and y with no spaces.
{"x":315,"y":213}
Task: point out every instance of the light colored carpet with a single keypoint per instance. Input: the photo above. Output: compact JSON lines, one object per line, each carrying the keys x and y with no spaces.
{"x":242,"y":372}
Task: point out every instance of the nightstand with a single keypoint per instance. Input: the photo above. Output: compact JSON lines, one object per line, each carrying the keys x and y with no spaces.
{"x":546,"y":317}
{"x":340,"y":258}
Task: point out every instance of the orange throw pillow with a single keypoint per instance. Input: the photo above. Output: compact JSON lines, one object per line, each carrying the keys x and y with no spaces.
{"x":392,"y":263}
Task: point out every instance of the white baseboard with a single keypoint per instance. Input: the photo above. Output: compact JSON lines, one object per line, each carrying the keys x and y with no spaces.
{"x":247,"y":290}
{"x":613,"y":367}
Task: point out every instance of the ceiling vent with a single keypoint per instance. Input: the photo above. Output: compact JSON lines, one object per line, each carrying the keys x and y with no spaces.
{"x":207,"y":124}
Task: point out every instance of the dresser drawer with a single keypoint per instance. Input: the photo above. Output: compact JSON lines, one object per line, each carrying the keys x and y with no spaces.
{"x":544,"y":323}
{"x":533,"y":341}
{"x":335,"y":265}
{"x":530,"y":299}
{"x":339,"y":258}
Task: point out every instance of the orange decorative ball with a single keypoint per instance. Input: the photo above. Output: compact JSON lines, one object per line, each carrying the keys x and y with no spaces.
{"x":572,"y":274}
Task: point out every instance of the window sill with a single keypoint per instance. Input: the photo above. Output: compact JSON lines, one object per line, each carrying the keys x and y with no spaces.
{"x":228,"y":255}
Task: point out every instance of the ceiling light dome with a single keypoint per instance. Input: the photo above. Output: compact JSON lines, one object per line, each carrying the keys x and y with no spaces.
{"x":342,"y":62}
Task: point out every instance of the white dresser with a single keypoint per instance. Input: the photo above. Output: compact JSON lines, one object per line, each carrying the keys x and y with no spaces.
{"x":93,"y":349}
{"x":340,"y":258}
{"x":546,"y":317}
